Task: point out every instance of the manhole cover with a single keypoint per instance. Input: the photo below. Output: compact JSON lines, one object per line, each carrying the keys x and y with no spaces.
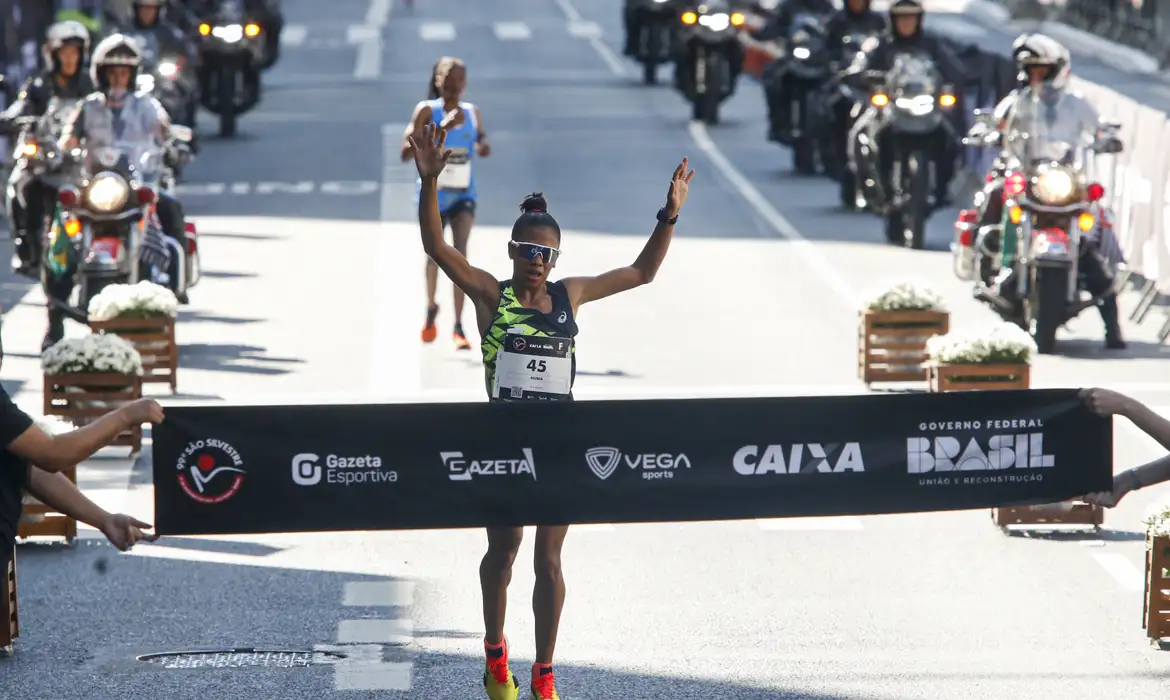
{"x":241,"y":658}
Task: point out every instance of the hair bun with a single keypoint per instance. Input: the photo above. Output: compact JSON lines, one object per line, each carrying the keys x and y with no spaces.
{"x":534,"y":203}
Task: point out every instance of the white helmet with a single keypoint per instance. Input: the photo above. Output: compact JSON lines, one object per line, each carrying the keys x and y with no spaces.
{"x":114,"y":50}
{"x":1041,"y":50}
{"x":62,"y":33}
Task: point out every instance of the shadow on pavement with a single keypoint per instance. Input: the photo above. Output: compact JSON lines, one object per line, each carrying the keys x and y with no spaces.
{"x":186,"y":316}
{"x":83,"y":625}
{"x":246,"y":359}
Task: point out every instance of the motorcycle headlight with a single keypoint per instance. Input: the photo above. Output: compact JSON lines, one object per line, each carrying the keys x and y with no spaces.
{"x":168,"y":70}
{"x":1055,"y":186}
{"x":801,"y":52}
{"x":108,"y":192}
{"x":918,"y":106}
{"x":231,"y":33}
{"x":716,"y":22}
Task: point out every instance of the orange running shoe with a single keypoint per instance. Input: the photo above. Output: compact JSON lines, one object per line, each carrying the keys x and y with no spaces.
{"x":544,"y":683}
{"x":461,"y":342}
{"x":498,"y":680}
{"x":429,"y":331}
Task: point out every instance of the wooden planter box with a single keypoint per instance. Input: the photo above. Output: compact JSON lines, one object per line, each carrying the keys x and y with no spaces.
{"x":39,"y":520}
{"x":891,"y":345}
{"x":1156,"y":606}
{"x":83,"y":398}
{"x":1067,"y":513}
{"x":9,"y":621}
{"x":942,"y":377}
{"x":154,"y":339}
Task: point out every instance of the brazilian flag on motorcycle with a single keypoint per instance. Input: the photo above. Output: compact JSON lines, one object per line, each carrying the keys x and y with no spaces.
{"x":62,"y":253}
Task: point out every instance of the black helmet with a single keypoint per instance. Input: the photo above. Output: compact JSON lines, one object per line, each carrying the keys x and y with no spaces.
{"x":906,"y":8}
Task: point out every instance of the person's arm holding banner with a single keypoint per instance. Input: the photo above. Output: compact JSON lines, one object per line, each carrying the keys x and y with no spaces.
{"x":1109,"y":403}
{"x":61,"y":494}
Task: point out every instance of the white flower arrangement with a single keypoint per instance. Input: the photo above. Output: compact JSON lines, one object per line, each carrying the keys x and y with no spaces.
{"x":1003,"y":343}
{"x":905,"y":296}
{"x":1158,"y":521}
{"x":142,"y":300}
{"x":92,"y":354}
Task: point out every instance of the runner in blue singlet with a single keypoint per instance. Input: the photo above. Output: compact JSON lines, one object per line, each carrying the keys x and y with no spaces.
{"x":457,"y":196}
{"x":528,"y":326}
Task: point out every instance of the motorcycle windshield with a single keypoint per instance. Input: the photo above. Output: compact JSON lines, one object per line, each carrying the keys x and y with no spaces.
{"x":1050,"y":126}
{"x":912,"y":75}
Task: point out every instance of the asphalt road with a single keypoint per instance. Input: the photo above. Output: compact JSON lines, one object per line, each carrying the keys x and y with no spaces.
{"x":313,"y":292}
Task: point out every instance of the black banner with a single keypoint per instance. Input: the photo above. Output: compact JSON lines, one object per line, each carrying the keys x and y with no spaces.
{"x":254,"y":470}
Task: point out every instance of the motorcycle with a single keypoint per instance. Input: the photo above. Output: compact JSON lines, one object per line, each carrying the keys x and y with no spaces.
{"x":37,"y":156}
{"x":799,"y":76}
{"x":912,"y":109}
{"x":710,"y":44}
{"x":166,"y":77}
{"x":840,"y":105}
{"x":232,"y":59}
{"x":1050,"y":203}
{"x":656,"y":36}
{"x":103,"y":223}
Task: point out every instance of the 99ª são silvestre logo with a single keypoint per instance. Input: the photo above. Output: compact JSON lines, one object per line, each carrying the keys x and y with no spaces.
{"x":210,"y":471}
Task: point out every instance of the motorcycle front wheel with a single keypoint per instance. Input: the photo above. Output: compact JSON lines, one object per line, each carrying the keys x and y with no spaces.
{"x":226,"y":91}
{"x":1047,"y":306}
{"x":652,"y":48}
{"x":917,"y":191}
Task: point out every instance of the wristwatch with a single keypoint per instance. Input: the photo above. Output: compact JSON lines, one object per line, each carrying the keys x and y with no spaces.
{"x":662,"y":217}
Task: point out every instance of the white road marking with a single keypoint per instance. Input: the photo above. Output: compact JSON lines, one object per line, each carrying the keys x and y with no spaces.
{"x":592,"y":527}
{"x":336,"y":188}
{"x":436,"y":31}
{"x":363,"y":668}
{"x":294,"y":35}
{"x":362,"y":34}
{"x":611,"y":59}
{"x":811,"y":524}
{"x":1123,"y":571}
{"x":378,"y":594}
{"x":585,"y":30}
{"x":512,"y":31}
{"x":378,"y":13}
{"x":812,"y":256}
{"x":393,"y":632}
{"x":368,"y":39}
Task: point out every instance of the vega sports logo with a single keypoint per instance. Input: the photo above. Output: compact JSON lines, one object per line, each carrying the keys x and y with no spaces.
{"x":210,"y":471}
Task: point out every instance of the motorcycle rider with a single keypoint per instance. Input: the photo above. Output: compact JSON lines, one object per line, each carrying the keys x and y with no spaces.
{"x":906,"y":36}
{"x":632,"y":19}
{"x":684,"y":59}
{"x":778,"y":27}
{"x":115,"y":114}
{"x":65,"y":50}
{"x":1049,"y":64}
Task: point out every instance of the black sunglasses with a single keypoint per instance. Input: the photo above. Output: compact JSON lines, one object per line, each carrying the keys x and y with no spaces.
{"x":531,"y":251}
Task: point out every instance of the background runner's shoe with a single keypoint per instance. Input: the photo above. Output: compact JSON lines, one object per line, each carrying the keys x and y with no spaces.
{"x":498,"y":679}
{"x":544,"y":687}
{"x":461,"y":342}
{"x":429,"y":331}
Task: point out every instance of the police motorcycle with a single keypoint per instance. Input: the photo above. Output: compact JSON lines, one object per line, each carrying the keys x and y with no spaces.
{"x":709,"y":40}
{"x":233,"y":53}
{"x":167,"y":78}
{"x":911,"y":107}
{"x":656,"y":35}
{"x":1050,"y":201}
{"x":804,"y":66}
{"x":105,"y":224}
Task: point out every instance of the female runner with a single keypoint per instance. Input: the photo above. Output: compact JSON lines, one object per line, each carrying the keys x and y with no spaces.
{"x":507,"y":311}
{"x":463,"y":125}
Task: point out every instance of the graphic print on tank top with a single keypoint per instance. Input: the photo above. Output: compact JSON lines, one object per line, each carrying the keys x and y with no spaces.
{"x":529,"y":355}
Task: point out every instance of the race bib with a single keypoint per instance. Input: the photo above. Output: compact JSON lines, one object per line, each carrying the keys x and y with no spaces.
{"x":457,"y":174}
{"x":530,"y":367}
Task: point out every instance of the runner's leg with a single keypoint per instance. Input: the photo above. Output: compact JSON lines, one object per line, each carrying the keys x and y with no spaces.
{"x":548,"y":599}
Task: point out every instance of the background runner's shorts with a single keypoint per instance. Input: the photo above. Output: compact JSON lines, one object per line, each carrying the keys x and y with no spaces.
{"x":463,"y":205}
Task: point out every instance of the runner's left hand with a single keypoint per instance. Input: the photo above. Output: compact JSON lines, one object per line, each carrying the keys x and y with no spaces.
{"x":483,"y":149}
{"x":680,"y":183}
{"x":124,"y":531}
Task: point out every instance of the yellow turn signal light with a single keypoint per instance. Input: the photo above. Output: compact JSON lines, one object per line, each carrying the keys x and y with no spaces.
{"x":879,"y":100}
{"x":72,"y":227}
{"x":252,"y":30}
{"x":689,"y":18}
{"x":947,"y":100}
{"x":737,"y":19}
{"x":30,"y":149}
{"x":1086,"y":222}
{"x":205,"y":29}
{"x":1015,"y":215}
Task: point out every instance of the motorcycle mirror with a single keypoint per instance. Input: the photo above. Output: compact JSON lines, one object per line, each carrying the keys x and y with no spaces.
{"x":1110,"y":145}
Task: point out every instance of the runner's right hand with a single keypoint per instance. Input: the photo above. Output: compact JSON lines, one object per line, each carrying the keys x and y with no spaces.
{"x":430,"y":156}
